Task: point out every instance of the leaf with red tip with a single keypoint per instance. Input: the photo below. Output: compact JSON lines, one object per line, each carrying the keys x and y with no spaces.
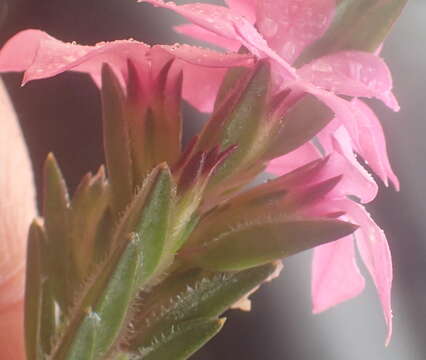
{"x":250,"y":245}
{"x":297,"y":126}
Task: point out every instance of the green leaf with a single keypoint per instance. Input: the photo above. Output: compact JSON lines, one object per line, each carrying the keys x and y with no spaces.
{"x":148,"y":218}
{"x":239,"y":121}
{"x":40,"y":323}
{"x":251,"y":245}
{"x":299,"y":125}
{"x":88,"y":209}
{"x":34,"y":292}
{"x":230,"y":83}
{"x":114,"y":303}
{"x":56,"y":214}
{"x":83,"y":345}
{"x":116,"y":141}
{"x":182,"y":340}
{"x":191,"y":294}
{"x":48,"y":317}
{"x":357,"y":25}
{"x":122,"y":356}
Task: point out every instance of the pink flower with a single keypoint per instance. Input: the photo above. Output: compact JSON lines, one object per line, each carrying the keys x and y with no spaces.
{"x":17,"y":209}
{"x":285,"y":29}
{"x":280,"y":30}
{"x":42,"y":56}
{"x":277,"y":30}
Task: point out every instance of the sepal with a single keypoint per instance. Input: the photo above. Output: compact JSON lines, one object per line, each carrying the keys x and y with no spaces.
{"x":239,"y":121}
{"x":251,"y":245}
{"x":56,"y":210}
{"x":181,"y":340}
{"x":34,"y":293}
{"x":296,"y":125}
{"x":116,"y":141}
{"x":88,"y":207}
{"x":190,"y":294}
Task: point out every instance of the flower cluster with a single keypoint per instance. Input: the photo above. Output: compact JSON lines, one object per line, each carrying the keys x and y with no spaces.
{"x":308,"y":126}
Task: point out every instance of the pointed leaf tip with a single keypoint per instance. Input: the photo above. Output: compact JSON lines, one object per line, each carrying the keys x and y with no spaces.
{"x":182,"y":340}
{"x":116,"y":140}
{"x":256,"y":244}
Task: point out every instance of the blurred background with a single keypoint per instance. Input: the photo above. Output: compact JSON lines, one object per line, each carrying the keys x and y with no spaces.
{"x":62,"y":115}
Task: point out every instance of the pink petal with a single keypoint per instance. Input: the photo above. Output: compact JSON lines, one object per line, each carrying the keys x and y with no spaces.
{"x":52,"y":56}
{"x":18,"y":52}
{"x":291,"y":25}
{"x":218,"y":19}
{"x":375,"y":253}
{"x":295,"y":159}
{"x":246,"y":8}
{"x":335,"y":275}
{"x":203,"y":68}
{"x":372,"y":143}
{"x":352,"y":73}
{"x":356,"y":180}
{"x":12,"y":332}
{"x":226,"y":23}
{"x":200,"y":87}
{"x":341,"y":108}
{"x":199,"y":33}
{"x":17,"y":209}
{"x":206,"y":57}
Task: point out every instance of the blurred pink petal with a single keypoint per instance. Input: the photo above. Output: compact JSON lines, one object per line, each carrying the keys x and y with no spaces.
{"x":352,"y":73}
{"x":218,"y":19}
{"x":341,"y":107}
{"x":17,"y":209}
{"x":293,"y":160}
{"x":18,"y":55}
{"x":200,"y":86}
{"x":356,"y":179}
{"x":246,"y":8}
{"x":335,"y":275}
{"x":291,"y":25}
{"x":372,"y":143}
{"x":199,"y":33}
{"x":375,"y":254}
{"x":229,"y":24}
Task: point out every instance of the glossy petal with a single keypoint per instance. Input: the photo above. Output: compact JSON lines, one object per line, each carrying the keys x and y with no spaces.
{"x":335,"y":275}
{"x":205,"y":57}
{"x":372,"y":143}
{"x":224,"y":22}
{"x":51,"y":57}
{"x":291,"y":25}
{"x":17,"y":209}
{"x":375,"y":254}
{"x":352,"y":73}
{"x":199,"y":33}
